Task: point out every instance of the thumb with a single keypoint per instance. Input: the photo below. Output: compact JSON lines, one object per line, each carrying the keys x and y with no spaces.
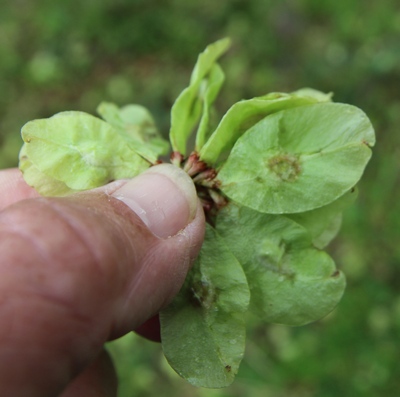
{"x":81,"y":270}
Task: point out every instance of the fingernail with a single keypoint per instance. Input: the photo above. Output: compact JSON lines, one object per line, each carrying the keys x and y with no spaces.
{"x":164,"y":197}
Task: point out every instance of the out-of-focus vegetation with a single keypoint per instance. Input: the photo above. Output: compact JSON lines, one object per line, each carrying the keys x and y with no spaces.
{"x":58,"y":56}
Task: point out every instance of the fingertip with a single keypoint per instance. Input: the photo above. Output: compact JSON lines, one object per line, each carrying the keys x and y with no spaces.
{"x":164,"y":197}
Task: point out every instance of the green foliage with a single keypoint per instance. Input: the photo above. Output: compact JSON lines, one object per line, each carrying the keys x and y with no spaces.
{"x":323,"y":223}
{"x":197,"y":98}
{"x":291,"y":282}
{"x":78,"y":150}
{"x":299,"y":159}
{"x":137,"y":127}
{"x":296,"y":159}
{"x":243,"y":114}
{"x":205,"y":339}
{"x":126,"y":50}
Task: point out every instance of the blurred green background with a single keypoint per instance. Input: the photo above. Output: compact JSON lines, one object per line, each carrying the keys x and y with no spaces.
{"x":65,"y":55}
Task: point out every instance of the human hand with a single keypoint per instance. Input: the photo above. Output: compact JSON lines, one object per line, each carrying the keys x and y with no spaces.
{"x":78,"y":271}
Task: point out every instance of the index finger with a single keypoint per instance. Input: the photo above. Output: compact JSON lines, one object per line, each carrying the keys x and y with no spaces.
{"x":13,"y":188}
